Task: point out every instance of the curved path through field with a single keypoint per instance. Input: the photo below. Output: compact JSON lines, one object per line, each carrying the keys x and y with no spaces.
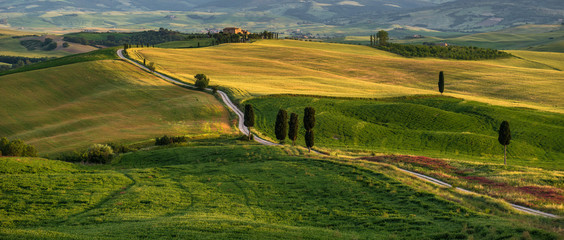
{"x":245,"y":131}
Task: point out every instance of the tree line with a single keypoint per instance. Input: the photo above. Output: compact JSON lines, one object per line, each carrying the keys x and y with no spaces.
{"x":380,"y":41}
{"x":17,"y":61}
{"x":16,"y":148}
{"x":150,"y":37}
{"x":235,"y":38}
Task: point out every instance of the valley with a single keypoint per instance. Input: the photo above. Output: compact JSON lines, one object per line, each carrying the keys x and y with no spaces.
{"x":126,"y":151}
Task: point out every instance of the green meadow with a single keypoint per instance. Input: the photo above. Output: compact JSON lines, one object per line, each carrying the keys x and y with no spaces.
{"x":431,"y":126}
{"x":192,"y":43}
{"x":224,"y":190}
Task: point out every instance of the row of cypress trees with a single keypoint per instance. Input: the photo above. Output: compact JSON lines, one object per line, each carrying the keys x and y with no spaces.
{"x":283,"y":127}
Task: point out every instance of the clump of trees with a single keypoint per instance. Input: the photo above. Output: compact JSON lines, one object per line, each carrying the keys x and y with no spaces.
{"x":99,"y":153}
{"x":16,"y":148}
{"x":448,"y":52}
{"x":96,"y":154}
{"x":166,"y":140}
{"x":202,"y":81}
{"x":235,"y":38}
{"x":309,"y":123}
{"x":382,"y":37}
{"x":17,"y":61}
{"x":32,"y":44}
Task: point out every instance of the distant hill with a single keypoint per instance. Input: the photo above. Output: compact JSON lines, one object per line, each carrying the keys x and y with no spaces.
{"x":362,"y":15}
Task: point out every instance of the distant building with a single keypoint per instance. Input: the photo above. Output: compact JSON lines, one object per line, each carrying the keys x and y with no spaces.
{"x":234,"y":30}
{"x":442,"y":44}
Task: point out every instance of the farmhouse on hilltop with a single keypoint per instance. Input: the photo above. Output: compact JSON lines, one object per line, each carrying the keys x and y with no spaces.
{"x":234,"y":30}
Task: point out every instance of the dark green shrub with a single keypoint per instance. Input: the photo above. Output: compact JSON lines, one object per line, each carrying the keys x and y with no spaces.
{"x":202,"y":81}
{"x":99,"y":153}
{"x":166,"y":140}
{"x":120,"y":148}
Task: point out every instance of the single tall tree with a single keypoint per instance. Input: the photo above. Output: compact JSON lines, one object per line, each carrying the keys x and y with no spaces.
{"x":281,"y":126}
{"x":249,"y":120}
{"x":382,"y":37}
{"x":293,"y":128}
{"x":441,"y":82}
{"x":309,"y":123}
{"x":504,"y":138}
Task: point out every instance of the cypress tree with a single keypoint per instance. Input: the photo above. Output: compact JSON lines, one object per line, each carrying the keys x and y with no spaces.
{"x":309,"y":118}
{"x":293,"y":131}
{"x":249,"y":119}
{"x":504,"y":139}
{"x":309,"y":123}
{"x":281,"y":126}
{"x":441,"y":82}
{"x":309,"y":139}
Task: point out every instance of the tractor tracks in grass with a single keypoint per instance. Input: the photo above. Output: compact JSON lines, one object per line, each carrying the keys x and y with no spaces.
{"x":245,"y":131}
{"x":103,"y":201}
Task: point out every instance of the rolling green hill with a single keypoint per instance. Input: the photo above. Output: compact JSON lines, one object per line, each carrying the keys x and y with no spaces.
{"x":68,"y":107}
{"x":428,"y":126}
{"x":235,"y":191}
{"x":442,"y":127}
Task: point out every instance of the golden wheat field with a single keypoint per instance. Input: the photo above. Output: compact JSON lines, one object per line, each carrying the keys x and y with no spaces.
{"x":297,"y":67}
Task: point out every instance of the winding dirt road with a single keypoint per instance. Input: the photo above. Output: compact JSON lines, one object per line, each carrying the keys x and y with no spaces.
{"x":245,"y":131}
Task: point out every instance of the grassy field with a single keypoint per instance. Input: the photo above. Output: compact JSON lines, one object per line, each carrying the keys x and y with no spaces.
{"x":102,"y":54}
{"x":60,"y":109}
{"x":428,"y":126}
{"x":192,"y":43}
{"x":296,"y":67}
{"x":221,"y":190}
{"x":546,"y":38}
{"x":11,"y":47}
{"x":531,"y":187}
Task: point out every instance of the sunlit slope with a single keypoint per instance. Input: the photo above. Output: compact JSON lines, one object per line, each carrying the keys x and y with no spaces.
{"x":268,"y":67}
{"x":72,"y":106}
{"x":225,"y":191}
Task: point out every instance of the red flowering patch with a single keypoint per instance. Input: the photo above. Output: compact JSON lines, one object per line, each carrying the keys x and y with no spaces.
{"x":548,"y":193}
{"x":486,"y":181}
{"x":431,"y":163}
